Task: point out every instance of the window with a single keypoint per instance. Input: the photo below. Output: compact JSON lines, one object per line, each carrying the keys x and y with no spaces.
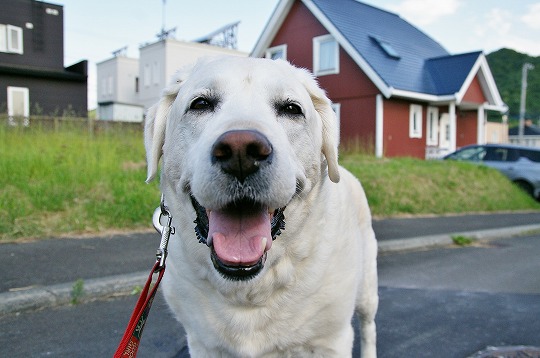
{"x":277,"y":52}
{"x":3,"y":38}
{"x":432,"y":125}
{"x":325,"y":55}
{"x":50,"y":11}
{"x":415,"y":121}
{"x":18,"y":102}
{"x":499,"y":154}
{"x":11,"y":39}
{"x":532,"y":155}
{"x":474,"y":154}
{"x":110,"y":85}
{"x":387,"y":48}
{"x":146,"y":75}
{"x":155,"y":73}
{"x":103,"y":87}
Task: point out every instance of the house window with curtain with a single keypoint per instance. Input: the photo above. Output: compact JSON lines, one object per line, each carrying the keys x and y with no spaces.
{"x":325,"y":55}
{"x":415,"y":121}
{"x":277,"y":52}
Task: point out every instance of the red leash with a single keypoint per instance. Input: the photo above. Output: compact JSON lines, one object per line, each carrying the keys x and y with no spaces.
{"x":132,"y":336}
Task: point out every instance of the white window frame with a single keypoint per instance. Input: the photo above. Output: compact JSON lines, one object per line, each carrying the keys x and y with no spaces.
{"x":26,"y":94}
{"x":432,"y":126}
{"x":275,"y":50}
{"x":317,"y":42}
{"x":11,"y":47}
{"x":415,"y":121}
{"x":3,"y":38}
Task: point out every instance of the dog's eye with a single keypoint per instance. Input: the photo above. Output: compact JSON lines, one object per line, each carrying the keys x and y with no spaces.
{"x":201,"y":104}
{"x":291,"y":109}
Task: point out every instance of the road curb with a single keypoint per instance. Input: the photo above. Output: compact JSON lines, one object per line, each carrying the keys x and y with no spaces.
{"x":388,"y":246}
{"x":62,"y":294}
{"x":99,"y":288}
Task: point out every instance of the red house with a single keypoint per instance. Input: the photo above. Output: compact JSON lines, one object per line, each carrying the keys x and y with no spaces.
{"x":394,"y":88}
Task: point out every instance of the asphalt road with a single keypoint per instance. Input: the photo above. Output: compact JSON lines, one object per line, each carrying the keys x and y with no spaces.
{"x":446,"y":302}
{"x":56,"y":261}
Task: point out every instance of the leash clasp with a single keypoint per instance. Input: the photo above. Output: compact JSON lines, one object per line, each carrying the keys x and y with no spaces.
{"x":165,"y":230}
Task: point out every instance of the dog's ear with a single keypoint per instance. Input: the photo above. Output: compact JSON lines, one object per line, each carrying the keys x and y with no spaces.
{"x":156,"y":122}
{"x":330,"y":132}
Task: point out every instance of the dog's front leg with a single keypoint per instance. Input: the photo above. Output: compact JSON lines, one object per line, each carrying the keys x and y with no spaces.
{"x":368,"y":337}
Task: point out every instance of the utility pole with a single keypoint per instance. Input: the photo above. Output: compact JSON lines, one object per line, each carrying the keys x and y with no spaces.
{"x":526,"y":67}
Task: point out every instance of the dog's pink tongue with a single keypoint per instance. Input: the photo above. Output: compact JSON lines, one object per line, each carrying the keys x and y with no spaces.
{"x":240,"y":238}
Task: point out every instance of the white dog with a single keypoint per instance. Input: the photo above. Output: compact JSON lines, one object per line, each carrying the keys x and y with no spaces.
{"x":283,"y":250}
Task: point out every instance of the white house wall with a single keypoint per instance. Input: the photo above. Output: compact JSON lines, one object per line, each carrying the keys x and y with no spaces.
{"x":128,"y":71}
{"x":116,"y":89}
{"x":151,"y":74}
{"x":120,"y":112}
{"x":160,"y":61}
{"x":106,"y":79}
{"x":118,"y":98}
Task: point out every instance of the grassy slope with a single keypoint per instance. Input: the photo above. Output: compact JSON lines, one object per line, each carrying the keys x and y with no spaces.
{"x":410,"y":186}
{"x":66,"y":182}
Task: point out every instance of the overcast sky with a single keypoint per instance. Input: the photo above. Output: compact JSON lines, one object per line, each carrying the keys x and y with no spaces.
{"x":93,"y":29}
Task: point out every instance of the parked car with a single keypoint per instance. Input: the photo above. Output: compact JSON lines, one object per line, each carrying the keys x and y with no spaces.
{"x":520,"y":164}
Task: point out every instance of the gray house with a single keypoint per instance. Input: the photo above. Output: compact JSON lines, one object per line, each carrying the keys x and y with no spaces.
{"x":33,"y":79}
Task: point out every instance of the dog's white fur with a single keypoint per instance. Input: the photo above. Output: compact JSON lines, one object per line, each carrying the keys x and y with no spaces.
{"x":319,"y":270}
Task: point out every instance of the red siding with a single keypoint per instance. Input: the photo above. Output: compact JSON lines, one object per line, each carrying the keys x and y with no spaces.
{"x":396,"y":131}
{"x":351,"y":87}
{"x":356,"y":93}
{"x":474,"y":93}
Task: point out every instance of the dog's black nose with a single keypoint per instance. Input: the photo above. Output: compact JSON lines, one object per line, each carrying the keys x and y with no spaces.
{"x":242,"y":152}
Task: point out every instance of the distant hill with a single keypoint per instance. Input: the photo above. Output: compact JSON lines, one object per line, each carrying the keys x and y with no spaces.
{"x":506,"y":65}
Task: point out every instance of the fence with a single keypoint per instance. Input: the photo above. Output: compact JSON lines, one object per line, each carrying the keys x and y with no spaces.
{"x":528,"y":140}
{"x":47,"y":123}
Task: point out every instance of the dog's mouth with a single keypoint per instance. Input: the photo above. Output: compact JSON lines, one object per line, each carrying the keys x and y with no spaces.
{"x":239,"y":235}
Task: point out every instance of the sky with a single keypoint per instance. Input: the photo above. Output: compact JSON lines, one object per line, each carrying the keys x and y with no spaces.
{"x":94,"y":29}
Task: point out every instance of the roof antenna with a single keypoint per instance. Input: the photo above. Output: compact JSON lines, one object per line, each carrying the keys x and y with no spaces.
{"x":164,"y":3}
{"x":165,"y":34}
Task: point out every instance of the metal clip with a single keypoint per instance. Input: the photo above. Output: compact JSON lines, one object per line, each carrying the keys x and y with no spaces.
{"x":165,"y":231}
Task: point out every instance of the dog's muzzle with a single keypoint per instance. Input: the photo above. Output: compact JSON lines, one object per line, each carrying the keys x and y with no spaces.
{"x":241,"y":232}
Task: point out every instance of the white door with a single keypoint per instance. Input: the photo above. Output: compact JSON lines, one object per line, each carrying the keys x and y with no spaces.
{"x":444,"y":131}
{"x":18,"y":104}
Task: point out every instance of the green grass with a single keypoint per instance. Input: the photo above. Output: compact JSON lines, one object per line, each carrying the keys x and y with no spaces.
{"x":461,"y":240}
{"x":405,"y":186}
{"x":67,"y":181}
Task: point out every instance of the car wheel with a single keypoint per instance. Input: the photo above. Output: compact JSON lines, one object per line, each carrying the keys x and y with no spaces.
{"x":526,"y":187}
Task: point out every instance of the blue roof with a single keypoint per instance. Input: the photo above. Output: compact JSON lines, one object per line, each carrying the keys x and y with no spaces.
{"x":449,"y":72}
{"x":404,"y":57}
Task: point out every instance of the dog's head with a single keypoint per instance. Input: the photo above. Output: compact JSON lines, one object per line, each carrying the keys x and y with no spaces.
{"x":240,"y":139}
